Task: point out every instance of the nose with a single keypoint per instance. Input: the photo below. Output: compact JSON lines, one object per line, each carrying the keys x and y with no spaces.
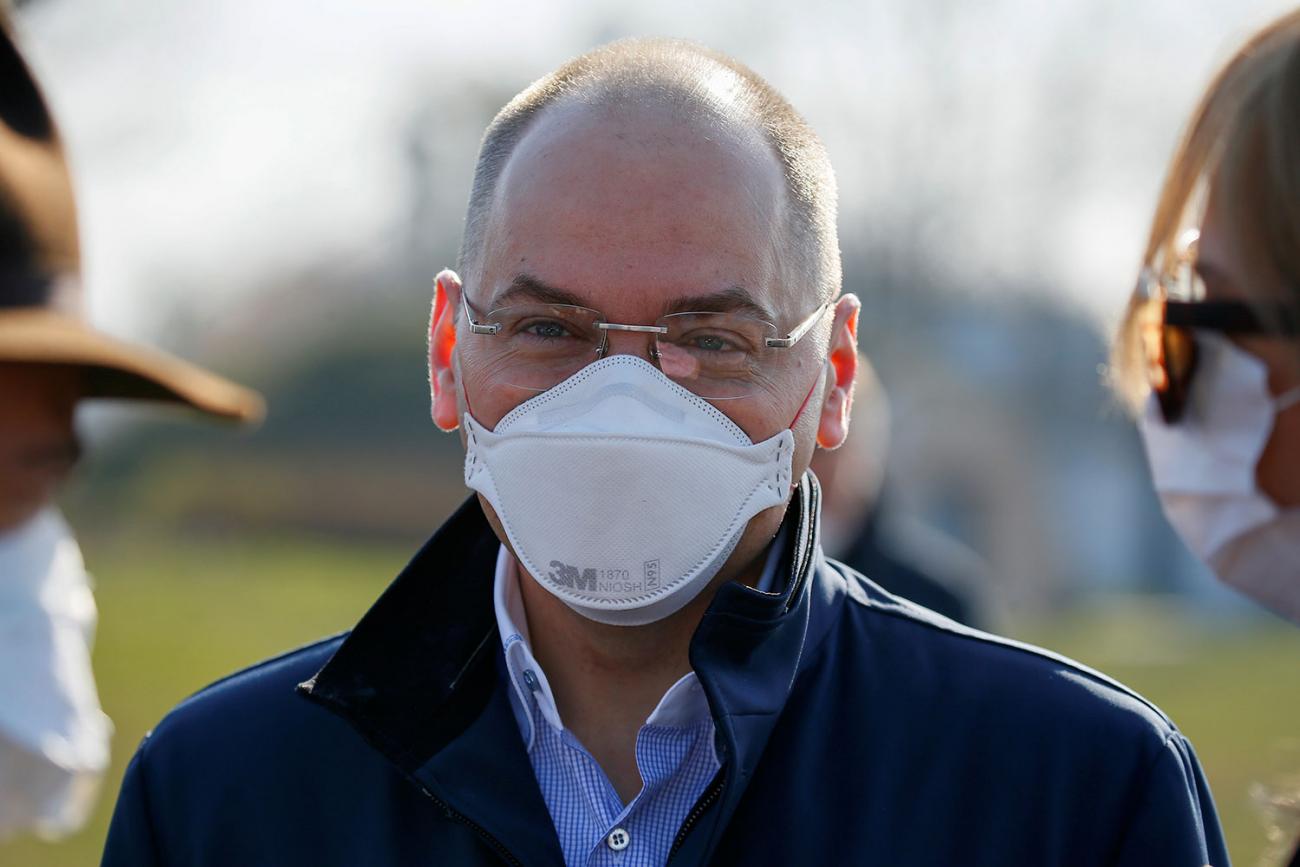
{"x":638,"y":340}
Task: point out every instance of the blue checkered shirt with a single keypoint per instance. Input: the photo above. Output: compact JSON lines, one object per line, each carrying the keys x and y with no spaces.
{"x":674,"y":753}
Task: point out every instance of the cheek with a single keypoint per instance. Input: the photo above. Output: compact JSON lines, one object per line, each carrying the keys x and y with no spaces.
{"x":24,"y":490}
{"x":1278,"y":471}
{"x":1283,"y":367}
{"x":773,"y":412}
{"x":26,"y":485}
{"x":485,"y":394}
{"x":1282,"y":358}
{"x":790,"y":400}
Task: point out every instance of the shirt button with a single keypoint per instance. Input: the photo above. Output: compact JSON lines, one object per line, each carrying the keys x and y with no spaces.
{"x":618,"y":839}
{"x":530,"y":679}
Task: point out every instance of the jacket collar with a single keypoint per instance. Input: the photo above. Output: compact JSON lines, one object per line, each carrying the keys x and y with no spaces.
{"x":747,"y":651}
{"x":419,"y":677}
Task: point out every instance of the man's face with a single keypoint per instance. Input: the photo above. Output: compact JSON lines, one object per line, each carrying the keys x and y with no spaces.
{"x":630,"y":213}
{"x":37,"y":443}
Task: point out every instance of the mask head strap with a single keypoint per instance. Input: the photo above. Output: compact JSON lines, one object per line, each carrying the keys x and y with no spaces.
{"x":804,"y":405}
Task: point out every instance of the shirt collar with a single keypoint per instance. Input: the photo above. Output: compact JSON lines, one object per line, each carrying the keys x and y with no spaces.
{"x":684,"y":704}
{"x":528,"y":681}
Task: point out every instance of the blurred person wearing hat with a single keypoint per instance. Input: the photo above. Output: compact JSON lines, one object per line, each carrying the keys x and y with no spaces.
{"x":1208,"y":354}
{"x":627,"y":647}
{"x":54,"y":738}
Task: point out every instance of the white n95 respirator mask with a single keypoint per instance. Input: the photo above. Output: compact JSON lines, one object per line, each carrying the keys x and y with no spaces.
{"x":1204,"y":471}
{"x":622,"y":493}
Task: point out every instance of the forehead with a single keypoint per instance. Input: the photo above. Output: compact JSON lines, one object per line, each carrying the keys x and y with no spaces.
{"x":632,"y":206}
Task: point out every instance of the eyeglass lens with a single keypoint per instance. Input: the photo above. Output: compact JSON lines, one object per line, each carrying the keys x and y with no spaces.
{"x":1170,"y":352}
{"x":718,"y":356}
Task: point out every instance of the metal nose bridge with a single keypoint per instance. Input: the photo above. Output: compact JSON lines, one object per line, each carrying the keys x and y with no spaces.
{"x":606,"y":327}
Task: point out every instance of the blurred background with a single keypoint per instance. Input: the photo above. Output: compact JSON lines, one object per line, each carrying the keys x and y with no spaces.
{"x":270,"y":187}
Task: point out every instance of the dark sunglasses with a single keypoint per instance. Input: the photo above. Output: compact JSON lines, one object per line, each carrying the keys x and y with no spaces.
{"x":1167,"y":329}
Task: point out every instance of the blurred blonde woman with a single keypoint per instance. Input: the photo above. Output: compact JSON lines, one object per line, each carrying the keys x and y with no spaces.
{"x":1209,"y":352}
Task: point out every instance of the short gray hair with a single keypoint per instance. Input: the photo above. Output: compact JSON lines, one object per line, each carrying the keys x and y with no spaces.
{"x":689,"y":77}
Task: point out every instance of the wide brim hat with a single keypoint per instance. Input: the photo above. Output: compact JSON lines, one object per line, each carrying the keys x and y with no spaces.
{"x":41,"y":309}
{"x":118,"y":369}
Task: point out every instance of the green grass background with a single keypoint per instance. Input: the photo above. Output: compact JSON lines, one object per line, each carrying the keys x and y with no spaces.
{"x":175,"y":617}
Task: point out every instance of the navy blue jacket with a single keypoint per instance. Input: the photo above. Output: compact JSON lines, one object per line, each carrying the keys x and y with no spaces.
{"x":854,"y":728}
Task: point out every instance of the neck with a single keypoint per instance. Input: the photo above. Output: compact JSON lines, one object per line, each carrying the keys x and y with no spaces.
{"x":597,"y":670}
{"x":608,"y":679}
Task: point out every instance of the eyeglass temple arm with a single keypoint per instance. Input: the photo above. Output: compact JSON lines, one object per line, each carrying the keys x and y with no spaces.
{"x":1232,"y":317}
{"x":474,"y":327}
{"x":800,"y":330}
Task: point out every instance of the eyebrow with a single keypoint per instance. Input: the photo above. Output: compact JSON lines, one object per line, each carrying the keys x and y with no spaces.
{"x":734,"y":299}
{"x":526,"y":287}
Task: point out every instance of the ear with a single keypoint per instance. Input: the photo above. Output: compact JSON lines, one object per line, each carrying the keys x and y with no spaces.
{"x":442,"y":342}
{"x":833,"y":426}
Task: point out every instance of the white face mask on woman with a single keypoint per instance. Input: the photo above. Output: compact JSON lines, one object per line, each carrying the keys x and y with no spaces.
{"x":53,"y":736}
{"x":1204,"y":471}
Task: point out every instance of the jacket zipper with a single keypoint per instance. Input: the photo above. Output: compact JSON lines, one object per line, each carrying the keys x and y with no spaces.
{"x":706,"y":800}
{"x":476,"y":828}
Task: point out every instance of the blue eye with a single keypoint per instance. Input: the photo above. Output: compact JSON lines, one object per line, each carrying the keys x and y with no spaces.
{"x":546,"y":330}
{"x":710,"y":343}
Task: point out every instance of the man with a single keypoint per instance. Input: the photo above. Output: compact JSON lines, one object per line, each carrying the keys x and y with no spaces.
{"x":628,"y":648}
{"x":54,"y":738}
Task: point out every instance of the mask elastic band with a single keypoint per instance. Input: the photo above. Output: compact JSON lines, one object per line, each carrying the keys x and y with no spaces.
{"x":1287,"y":400}
{"x":807,"y":398}
{"x":469,"y":409}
